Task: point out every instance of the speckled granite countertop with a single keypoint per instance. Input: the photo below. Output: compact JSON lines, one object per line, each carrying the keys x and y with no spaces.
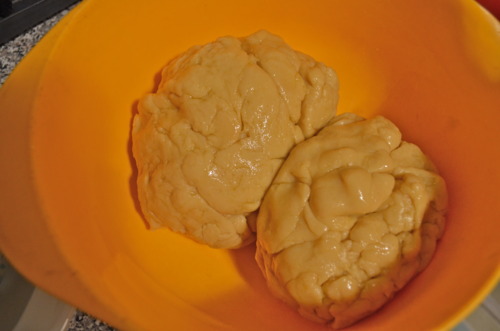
{"x":13,"y":51}
{"x":10,"y":54}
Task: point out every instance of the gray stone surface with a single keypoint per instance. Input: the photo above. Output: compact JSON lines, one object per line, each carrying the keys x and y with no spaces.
{"x":13,"y":51}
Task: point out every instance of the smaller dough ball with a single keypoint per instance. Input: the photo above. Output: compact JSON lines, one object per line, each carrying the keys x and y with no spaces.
{"x":363,"y":212}
{"x":210,"y":140}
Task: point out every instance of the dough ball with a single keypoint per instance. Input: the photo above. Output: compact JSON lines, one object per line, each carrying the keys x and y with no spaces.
{"x":353,"y":214}
{"x":210,"y":140}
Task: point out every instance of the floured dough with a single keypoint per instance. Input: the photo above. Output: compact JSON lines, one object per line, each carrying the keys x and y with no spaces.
{"x":210,"y":140}
{"x":353,"y":214}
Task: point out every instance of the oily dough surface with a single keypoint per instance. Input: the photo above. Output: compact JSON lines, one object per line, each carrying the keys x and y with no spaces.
{"x":209,"y":141}
{"x":362,"y":215}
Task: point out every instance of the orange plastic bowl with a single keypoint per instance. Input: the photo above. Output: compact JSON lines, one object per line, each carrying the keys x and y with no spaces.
{"x":68,"y":207}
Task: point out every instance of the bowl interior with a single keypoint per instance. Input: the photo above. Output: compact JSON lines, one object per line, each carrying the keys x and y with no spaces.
{"x":418,"y":63}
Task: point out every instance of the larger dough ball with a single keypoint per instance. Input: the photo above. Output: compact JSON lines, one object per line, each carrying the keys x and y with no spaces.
{"x":353,"y":214}
{"x":210,"y":140}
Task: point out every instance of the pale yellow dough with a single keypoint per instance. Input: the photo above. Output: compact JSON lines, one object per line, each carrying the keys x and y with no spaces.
{"x":210,"y":140}
{"x":353,"y":214}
